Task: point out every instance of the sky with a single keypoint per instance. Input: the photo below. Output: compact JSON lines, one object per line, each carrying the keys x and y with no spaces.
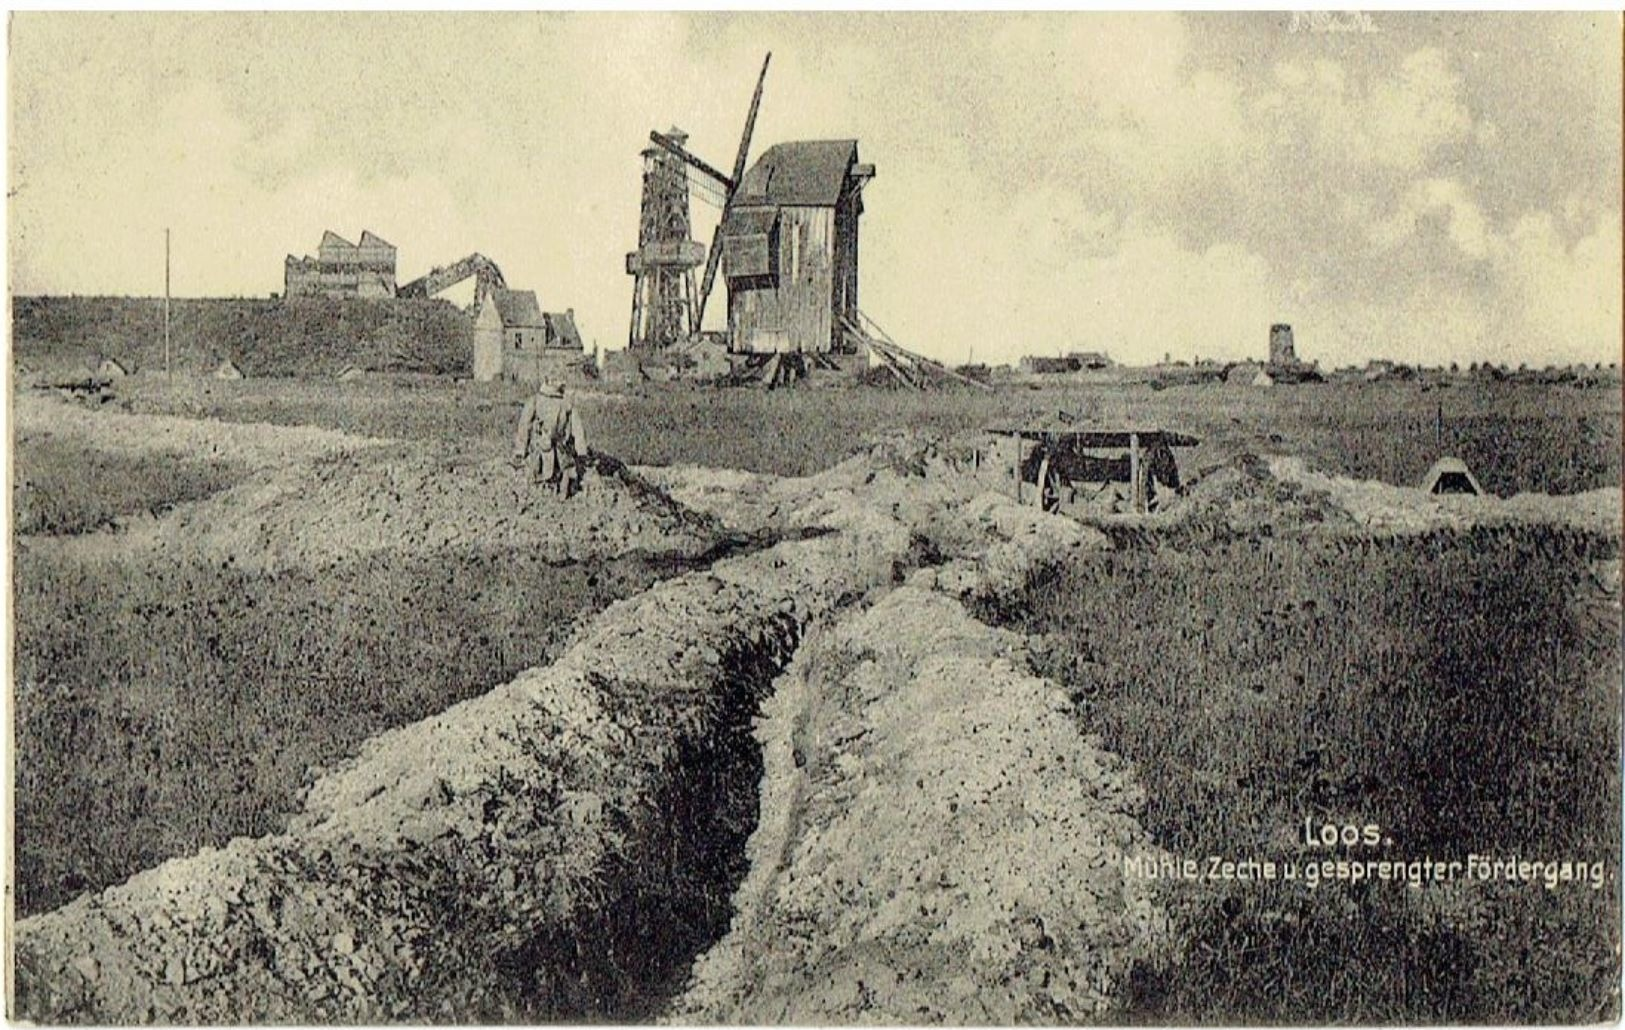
{"x":1423,"y":188}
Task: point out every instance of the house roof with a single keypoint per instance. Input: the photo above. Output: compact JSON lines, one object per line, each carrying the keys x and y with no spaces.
{"x":370,"y":240}
{"x":810,"y":173}
{"x":562,"y":327}
{"x":518,"y":309}
{"x":333,"y":239}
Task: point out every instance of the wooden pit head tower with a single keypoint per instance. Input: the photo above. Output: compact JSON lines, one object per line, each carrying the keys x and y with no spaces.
{"x":663,"y":265}
{"x":665,"y":305}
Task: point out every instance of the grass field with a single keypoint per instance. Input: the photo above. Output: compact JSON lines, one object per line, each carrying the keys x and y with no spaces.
{"x":1515,"y":437}
{"x":63,"y":487}
{"x":1449,"y":688}
{"x":174,"y":705}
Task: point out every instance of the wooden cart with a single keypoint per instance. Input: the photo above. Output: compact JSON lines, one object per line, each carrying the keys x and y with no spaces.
{"x":1062,"y":455}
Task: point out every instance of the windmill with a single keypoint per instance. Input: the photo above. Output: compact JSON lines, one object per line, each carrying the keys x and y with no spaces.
{"x":729,"y":185}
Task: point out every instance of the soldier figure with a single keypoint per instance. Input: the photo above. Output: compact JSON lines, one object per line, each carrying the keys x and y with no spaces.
{"x":551,"y":439}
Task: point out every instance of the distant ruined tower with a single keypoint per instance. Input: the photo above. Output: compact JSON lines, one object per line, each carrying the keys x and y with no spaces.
{"x":663,"y":292}
{"x":1281,"y":351}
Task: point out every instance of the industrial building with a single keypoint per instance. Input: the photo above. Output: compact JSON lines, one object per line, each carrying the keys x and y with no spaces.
{"x":1284,"y":365}
{"x":342,"y":269}
{"x":790,"y":249}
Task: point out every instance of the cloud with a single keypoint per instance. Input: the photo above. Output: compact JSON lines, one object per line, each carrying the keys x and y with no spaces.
{"x":1563,"y":296}
{"x":1042,"y":273}
{"x":1463,"y":221}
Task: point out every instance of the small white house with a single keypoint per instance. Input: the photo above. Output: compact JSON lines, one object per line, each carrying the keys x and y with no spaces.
{"x":508,"y":329}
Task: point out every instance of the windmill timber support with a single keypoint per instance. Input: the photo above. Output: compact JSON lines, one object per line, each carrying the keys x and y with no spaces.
{"x":911,"y":370}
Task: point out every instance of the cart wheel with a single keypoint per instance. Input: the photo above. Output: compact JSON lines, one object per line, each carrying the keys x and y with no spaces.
{"x":1049,"y":487}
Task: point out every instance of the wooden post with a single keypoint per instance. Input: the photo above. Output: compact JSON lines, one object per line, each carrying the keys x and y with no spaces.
{"x":1136,"y":494}
{"x":1015,"y":464}
{"x":167,"y":373}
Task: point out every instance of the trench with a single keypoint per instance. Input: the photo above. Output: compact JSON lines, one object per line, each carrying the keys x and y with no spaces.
{"x":442,"y":874}
{"x":625,"y":961}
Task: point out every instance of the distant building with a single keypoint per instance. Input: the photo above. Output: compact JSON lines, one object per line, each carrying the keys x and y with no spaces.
{"x":228,"y":369}
{"x":515,"y":341}
{"x":1090,"y":359}
{"x":1282,"y":351}
{"x":561,"y":331}
{"x":507,"y":326}
{"x":1037,"y":364}
{"x":790,"y":248}
{"x":343,"y":269}
{"x":111,"y":368}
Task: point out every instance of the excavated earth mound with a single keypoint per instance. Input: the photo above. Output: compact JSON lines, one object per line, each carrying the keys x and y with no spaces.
{"x":413,"y":500}
{"x":409,"y":499}
{"x":318,"y":496}
{"x":497,"y":861}
{"x":1284,"y":496}
{"x":937,"y":842}
{"x":1375,"y":505}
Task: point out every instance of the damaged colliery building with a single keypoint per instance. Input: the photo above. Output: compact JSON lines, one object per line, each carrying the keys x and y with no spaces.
{"x":790,"y":248}
{"x":342,"y":269}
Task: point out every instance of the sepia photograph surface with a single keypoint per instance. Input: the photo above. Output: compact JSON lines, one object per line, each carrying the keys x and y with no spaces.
{"x":814,"y":518}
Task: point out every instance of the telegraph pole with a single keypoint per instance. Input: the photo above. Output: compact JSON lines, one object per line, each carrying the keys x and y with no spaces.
{"x":167,"y":373}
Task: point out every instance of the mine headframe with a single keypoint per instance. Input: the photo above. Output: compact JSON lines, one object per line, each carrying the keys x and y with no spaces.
{"x":666,"y":258}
